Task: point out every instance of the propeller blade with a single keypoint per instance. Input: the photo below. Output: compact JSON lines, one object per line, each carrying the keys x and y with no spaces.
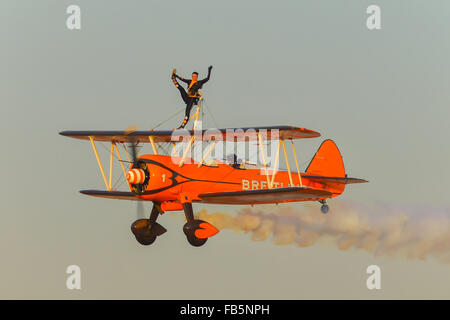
{"x":140,"y":214}
{"x":130,"y":129}
{"x":134,"y":154}
{"x":133,"y":143}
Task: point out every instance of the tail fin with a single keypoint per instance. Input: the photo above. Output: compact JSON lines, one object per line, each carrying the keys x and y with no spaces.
{"x":327,"y":168}
{"x":327,"y":161}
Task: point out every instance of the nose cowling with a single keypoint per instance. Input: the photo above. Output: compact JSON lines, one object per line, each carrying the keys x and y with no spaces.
{"x":136,"y":176}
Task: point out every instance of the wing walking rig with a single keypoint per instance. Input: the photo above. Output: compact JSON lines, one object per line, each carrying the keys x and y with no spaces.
{"x":173,"y":181}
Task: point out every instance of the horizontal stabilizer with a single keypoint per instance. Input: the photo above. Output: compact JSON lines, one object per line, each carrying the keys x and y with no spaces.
{"x":265,"y":195}
{"x":344,"y":180}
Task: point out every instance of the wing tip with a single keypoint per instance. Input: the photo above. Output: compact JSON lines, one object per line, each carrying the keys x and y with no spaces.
{"x":358,"y":180}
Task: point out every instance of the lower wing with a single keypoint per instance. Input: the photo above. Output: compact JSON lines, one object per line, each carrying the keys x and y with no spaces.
{"x":121,"y":195}
{"x":265,"y":195}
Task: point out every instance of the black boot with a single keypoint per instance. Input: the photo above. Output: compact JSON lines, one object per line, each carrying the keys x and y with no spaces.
{"x":174,"y":80}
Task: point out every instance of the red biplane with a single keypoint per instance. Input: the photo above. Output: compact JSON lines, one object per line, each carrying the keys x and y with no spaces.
{"x":175,"y":181}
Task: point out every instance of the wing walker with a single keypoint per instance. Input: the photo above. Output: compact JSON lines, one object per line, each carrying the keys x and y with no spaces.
{"x":173,"y":180}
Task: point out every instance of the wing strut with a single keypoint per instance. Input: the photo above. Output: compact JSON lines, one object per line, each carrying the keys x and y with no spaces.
{"x":152,"y":141}
{"x":186,"y":151}
{"x":287,"y":162}
{"x":275,"y":168}
{"x":108,"y":182}
{"x":207,"y":154}
{"x":296,"y":164}
{"x":264,"y":159}
{"x":99,"y":163}
{"x":120,"y":160}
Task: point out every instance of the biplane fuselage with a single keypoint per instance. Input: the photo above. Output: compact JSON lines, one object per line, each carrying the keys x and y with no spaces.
{"x":169,"y":182}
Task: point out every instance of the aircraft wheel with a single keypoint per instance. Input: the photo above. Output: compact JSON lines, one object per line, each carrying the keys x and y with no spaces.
{"x":146,"y":239}
{"x":324,"y":208}
{"x":196,"y":242}
{"x":206,"y":230}
{"x":140,"y":231}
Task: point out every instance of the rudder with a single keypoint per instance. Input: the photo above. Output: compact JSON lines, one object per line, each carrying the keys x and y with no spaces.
{"x":327,"y":161}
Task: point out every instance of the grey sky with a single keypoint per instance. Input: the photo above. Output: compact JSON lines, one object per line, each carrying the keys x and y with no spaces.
{"x":381,"y":95}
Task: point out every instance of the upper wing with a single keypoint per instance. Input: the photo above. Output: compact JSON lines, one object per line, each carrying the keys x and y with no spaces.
{"x":228,"y":134}
{"x":121,"y":195}
{"x":264,"y":195}
{"x":123,"y":136}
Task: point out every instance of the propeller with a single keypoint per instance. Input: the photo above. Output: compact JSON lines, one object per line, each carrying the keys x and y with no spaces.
{"x":133,"y":143}
{"x":140,"y":212}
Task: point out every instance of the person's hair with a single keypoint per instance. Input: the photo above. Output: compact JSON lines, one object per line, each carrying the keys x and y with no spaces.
{"x":195,"y":72}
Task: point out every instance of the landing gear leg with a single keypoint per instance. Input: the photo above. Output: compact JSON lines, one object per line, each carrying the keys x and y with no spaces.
{"x":154,"y":214}
{"x":324,"y":208}
{"x":188,"y":212}
{"x":191,"y":225}
{"x":146,"y":230}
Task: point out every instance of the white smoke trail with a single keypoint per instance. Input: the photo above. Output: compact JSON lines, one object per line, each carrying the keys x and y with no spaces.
{"x":386,"y":230}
